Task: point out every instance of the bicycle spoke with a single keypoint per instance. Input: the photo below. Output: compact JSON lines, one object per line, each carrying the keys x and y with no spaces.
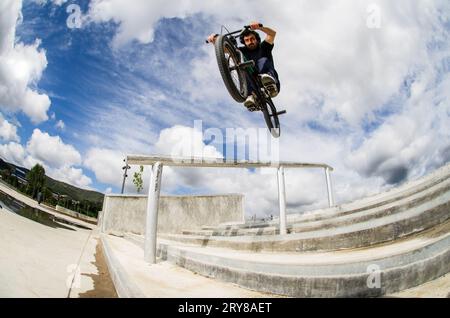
{"x":233,"y":68}
{"x":228,"y":59}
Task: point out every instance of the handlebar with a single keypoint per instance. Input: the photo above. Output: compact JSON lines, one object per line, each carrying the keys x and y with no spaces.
{"x":215,"y":36}
{"x":249,"y":27}
{"x":246,"y":27}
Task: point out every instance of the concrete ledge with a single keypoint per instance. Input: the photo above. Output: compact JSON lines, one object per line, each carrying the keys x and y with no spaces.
{"x":123,"y":283}
{"x":76,"y":214}
{"x":133,"y":277}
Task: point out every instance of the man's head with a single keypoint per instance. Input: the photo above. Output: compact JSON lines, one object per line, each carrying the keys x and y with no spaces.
{"x":250,"y":39}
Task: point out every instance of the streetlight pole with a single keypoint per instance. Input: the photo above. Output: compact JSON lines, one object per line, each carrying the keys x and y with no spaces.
{"x":125,"y":169}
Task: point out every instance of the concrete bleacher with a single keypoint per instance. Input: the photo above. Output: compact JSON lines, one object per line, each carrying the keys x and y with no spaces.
{"x":371,"y":247}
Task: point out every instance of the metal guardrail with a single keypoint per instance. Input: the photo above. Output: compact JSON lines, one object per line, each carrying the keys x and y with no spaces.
{"x":157,"y":163}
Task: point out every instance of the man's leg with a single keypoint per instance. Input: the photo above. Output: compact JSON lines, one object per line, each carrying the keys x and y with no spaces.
{"x":265,"y":66}
{"x":250,"y":86}
{"x":250,"y":101}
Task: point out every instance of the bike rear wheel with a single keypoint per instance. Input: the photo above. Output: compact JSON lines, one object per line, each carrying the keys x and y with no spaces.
{"x":228,"y":60}
{"x":271,"y":117}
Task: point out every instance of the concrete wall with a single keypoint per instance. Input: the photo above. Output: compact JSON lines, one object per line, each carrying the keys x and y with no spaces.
{"x":76,"y":214}
{"x":127,"y":213}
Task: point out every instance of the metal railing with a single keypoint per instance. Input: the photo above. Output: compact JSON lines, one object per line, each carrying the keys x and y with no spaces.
{"x":157,"y":163}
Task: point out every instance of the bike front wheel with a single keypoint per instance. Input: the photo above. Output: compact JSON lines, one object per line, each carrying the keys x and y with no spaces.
{"x":228,"y":59}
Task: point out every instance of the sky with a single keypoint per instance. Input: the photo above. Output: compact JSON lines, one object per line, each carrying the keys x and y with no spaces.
{"x":365,"y":84}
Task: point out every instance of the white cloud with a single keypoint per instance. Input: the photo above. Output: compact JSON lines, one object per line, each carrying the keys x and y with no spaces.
{"x":137,"y":21}
{"x":119,"y":127}
{"x":71,"y":175}
{"x":410,"y":143}
{"x":106,"y":164}
{"x":56,"y":157}
{"x":21,"y":68}
{"x":8,"y":131}
{"x":16,"y":154}
{"x":353,"y":69}
{"x":52,"y":150}
{"x":60,"y":125}
{"x":9,"y":14}
{"x":181,"y":141}
{"x":339,"y":72}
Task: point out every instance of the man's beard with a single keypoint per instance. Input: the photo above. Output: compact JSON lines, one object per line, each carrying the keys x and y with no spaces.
{"x":251,"y":47}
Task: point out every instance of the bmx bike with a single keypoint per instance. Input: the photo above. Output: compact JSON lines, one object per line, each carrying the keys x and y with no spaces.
{"x":236,"y":70}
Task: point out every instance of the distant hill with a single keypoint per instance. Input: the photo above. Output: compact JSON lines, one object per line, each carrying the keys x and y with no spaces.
{"x":4,"y":165}
{"x":61,"y":187}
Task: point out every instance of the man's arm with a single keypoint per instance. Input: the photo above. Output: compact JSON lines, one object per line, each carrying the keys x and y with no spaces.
{"x":270,"y":38}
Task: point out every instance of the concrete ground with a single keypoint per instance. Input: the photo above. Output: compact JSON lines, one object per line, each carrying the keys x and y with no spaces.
{"x":38,"y":260}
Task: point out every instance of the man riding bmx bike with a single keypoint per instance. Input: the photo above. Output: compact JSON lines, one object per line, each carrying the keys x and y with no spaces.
{"x":261,"y":54}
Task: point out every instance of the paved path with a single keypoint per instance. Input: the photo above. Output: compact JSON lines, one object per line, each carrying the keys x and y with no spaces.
{"x":38,"y":260}
{"x":32,"y":203}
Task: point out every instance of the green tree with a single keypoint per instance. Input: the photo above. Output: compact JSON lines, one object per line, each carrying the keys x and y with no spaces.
{"x":48,"y":196}
{"x":36,"y":180}
{"x":6,"y":175}
{"x":137,"y":179}
{"x":14,"y":181}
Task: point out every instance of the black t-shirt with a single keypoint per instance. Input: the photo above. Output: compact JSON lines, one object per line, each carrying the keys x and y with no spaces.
{"x":264,"y":50}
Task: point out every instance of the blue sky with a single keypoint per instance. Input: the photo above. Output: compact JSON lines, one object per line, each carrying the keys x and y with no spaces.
{"x":370,"y":101}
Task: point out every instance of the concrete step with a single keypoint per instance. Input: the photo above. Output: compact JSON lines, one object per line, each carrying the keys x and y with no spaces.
{"x":401,"y":265}
{"x":135,"y":278}
{"x":386,"y":228}
{"x":386,"y":197}
{"x":438,"y":288}
{"x":339,"y":220}
{"x":409,"y":191}
{"x":357,"y":208}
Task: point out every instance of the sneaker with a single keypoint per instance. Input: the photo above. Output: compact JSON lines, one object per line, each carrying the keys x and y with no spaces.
{"x":250,"y":103}
{"x":270,"y":84}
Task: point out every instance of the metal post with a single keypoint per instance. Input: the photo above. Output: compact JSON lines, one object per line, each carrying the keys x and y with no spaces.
{"x":152,"y":213}
{"x":125,"y":174}
{"x":329,"y":187}
{"x":282,"y":200}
